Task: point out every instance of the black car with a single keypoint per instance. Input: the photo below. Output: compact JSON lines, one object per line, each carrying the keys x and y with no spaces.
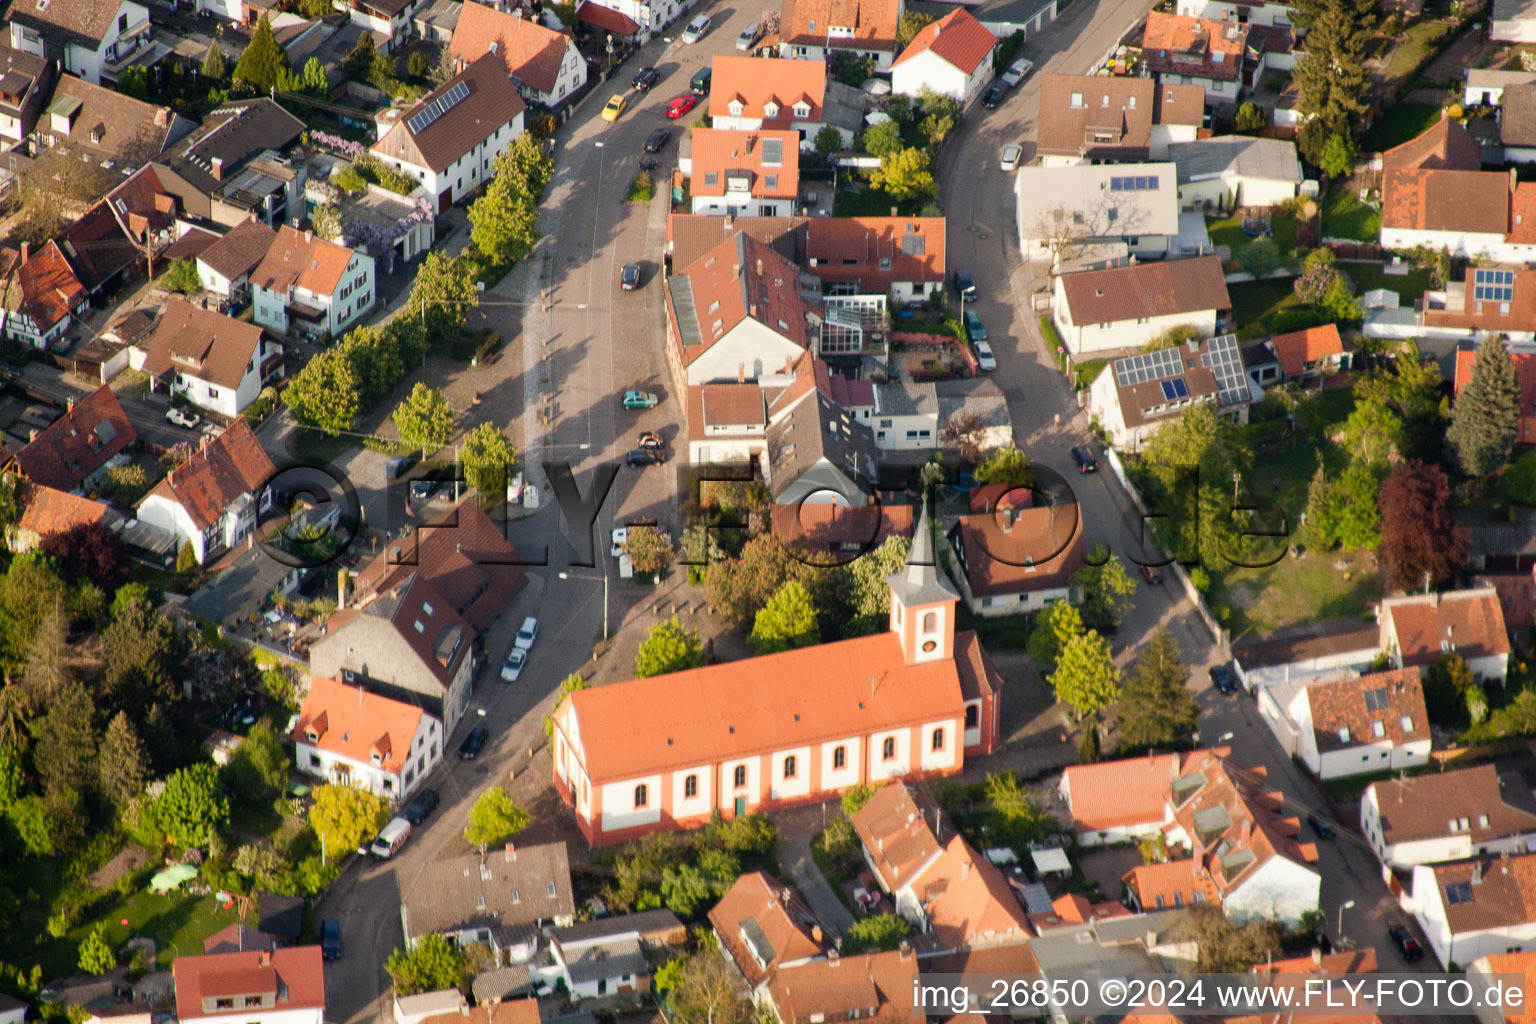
{"x":629,"y":277}
{"x":657,"y":139}
{"x":645,"y":78}
{"x":417,"y":810}
{"x":996,"y":93}
{"x":965,"y":285}
{"x":470,"y":748}
{"x":642,"y":457}
{"x":424,"y":488}
{"x":1322,"y":826}
{"x":1086,"y":463}
{"x":330,"y":939}
{"x":699,"y":83}
{"x":1224,"y":679}
{"x":1405,"y":942}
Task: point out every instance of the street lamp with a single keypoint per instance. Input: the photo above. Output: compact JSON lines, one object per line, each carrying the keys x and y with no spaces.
{"x":575,"y":576}
{"x":1343,"y":907}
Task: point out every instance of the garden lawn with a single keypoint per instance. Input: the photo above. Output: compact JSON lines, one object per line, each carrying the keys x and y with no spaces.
{"x":1254,"y":302}
{"x":1400,"y":123}
{"x":1228,"y":231}
{"x":178,"y":923}
{"x":1368,"y":276}
{"x":1417,"y":44}
{"x":1345,"y":216}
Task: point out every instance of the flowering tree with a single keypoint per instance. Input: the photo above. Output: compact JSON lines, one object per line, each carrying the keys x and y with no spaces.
{"x":346,"y":147}
{"x":380,"y":242}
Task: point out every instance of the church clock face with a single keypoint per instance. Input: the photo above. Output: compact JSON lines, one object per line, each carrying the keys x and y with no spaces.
{"x":930,"y":646}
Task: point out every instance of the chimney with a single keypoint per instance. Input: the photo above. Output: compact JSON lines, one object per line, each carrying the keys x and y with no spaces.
{"x":893,"y":211}
{"x":341,"y":588}
{"x":1317,"y":955}
{"x":1244,"y":832}
{"x":26,"y":250}
{"x":216,"y":168}
{"x":938,"y":27}
{"x":906,"y":949}
{"x":265,"y":959}
{"x":729,"y":220}
{"x":309,"y":236}
{"x":741,"y":373}
{"x":1477,"y":874}
{"x":759,"y":266}
{"x":965,"y":869}
{"x":511,"y":852}
{"x":1434,"y":599}
{"x":832,"y":957}
{"x":816,"y":934}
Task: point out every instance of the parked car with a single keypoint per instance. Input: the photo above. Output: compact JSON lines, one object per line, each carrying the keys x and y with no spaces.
{"x":657,"y":139}
{"x":680,"y":105}
{"x":645,"y":78}
{"x":527,"y":633}
{"x":964,"y":284}
{"x":620,"y":536}
{"x":425,"y":488}
{"x":513,"y":666}
{"x":973,"y":326}
{"x":642,"y":457}
{"x":418,"y":809}
{"x":615,"y":107}
{"x":651,"y":439}
{"x":747,"y":38}
{"x":696,"y":29}
{"x":473,"y":743}
{"x":1011,"y":155}
{"x":638,"y":400}
{"x":984,"y":357}
{"x":1323,"y":827}
{"x":1224,"y":679}
{"x":330,"y":939}
{"x":699,"y":83}
{"x":183,"y":419}
{"x":398,"y":466}
{"x":1405,"y":942}
{"x":1086,"y":463}
{"x":1152,"y":574}
{"x":1017,"y":70}
{"x":629,"y":277}
{"x":391,"y":838}
{"x":995,"y":94}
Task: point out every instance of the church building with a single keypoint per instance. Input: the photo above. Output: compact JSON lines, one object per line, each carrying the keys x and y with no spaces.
{"x":657,"y":754}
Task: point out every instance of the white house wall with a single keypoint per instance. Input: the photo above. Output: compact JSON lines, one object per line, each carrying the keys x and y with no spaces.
{"x":749,"y":347}
{"x":1278,"y":889}
{"x":619,"y":810}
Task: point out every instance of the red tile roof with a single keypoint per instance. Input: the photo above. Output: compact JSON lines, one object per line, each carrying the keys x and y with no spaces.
{"x":900,"y":828}
{"x":720,"y":152}
{"x":756,"y":81}
{"x":529,"y":51}
{"x":1299,"y":348}
{"x":607,"y":19}
{"x":232,"y":464}
{"x":957,"y":38}
{"x":1171,"y":884}
{"x":882,"y":250}
{"x":877,"y":986}
{"x":78,"y":443}
{"x":1435,"y":182}
{"x":872,"y":22}
{"x":295,"y":975}
{"x":1117,"y":794}
{"x":1515,"y":963}
{"x":304,"y":259}
{"x":968,"y":900}
{"x":1350,"y":961}
{"x":1022,"y":550}
{"x":46,"y":510}
{"x":47,"y":288}
{"x":350,"y":722}
{"x":1340,"y":708}
{"x":1469,"y":620}
{"x":1220,"y":45}
{"x":758,"y":896}
{"x":1165,"y":288}
{"x":740,"y":279}
{"x":509,"y":1011}
{"x":1503,"y":892}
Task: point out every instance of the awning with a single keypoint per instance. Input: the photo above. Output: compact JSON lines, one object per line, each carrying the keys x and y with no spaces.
{"x":607,"y":19}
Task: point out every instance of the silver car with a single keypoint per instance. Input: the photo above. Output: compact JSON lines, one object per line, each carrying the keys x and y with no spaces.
{"x":747,"y":38}
{"x":984,"y":357}
{"x":1011,"y":155}
{"x":696,"y":29}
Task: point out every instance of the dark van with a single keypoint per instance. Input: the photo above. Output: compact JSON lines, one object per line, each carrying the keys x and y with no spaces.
{"x":699,"y":83}
{"x":398,"y":466}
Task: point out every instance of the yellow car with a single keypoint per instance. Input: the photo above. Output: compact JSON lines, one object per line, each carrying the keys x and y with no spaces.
{"x":614,"y":108}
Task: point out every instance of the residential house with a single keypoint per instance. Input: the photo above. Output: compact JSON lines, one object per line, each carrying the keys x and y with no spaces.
{"x":1168,"y":885}
{"x":1448,"y":815}
{"x":1524,"y":358}
{"x":909,"y":415}
{"x":1226,"y":58}
{"x":346,"y":734}
{"x":75,"y":449}
{"x":1137,"y":395}
{"x":820,"y":30}
{"x":1517,"y":123}
{"x":92,"y":119}
{"x":546,"y":65}
{"x":1485,"y":86}
{"x":951,"y":57}
{"x":753,"y":93}
{"x":283,"y":986}
{"x":448,"y":141}
{"x":728,"y":421}
{"x":1265,"y":12}
{"x":215,"y":362}
{"x":1125,"y":307}
{"x":839,"y":530}
{"x":42,"y":511}
{"x":1089,"y":119}
{"x":1485,"y":971}
{"x":1420,"y":629}
{"x":239,"y":938}
{"x":817,"y":452}
{"x":738,"y":173}
{"x":1473,"y":908}
{"x":435,"y":22}
{"x":607,"y":957}
{"x":503,"y":899}
{"x":760,"y":925}
{"x":871,"y":986}
{"x":89,"y":38}
{"x":1513,"y":21}
{"x":1063,"y":210}
{"x":26,"y":83}
{"x":145,"y":210}
{"x":1119,"y":801}
{"x":234,"y":166}
{"x":1018,"y":559}
{"x":213,"y":500}
{"x":100,"y":251}
{"x":951,"y":894}
{"x":43,"y":296}
{"x":390,"y":21}
{"x":1229,"y":171}
{"x":224,"y":267}
{"x":408,"y":644}
{"x":1354,"y":725}
{"x":517,"y":1011}
{"x":308,"y":285}
{"x":1308,"y":354}
{"x":1498,"y":301}
{"x":1305,"y":651}
{"x":629,"y":765}
{"x":618,"y":17}
{"x":1124,"y":945}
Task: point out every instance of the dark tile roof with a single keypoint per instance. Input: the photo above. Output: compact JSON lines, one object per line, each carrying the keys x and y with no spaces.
{"x":84,"y":22}
{"x":463,"y":126}
{"x":1428,"y":806}
{"x":1165,"y":288}
{"x":239,"y":252}
{"x":108,"y":123}
{"x":78,"y":443}
{"x":200,"y":343}
{"x":529,"y":52}
{"x":233,"y":134}
{"x":515,"y":886}
{"x":98,"y":248}
{"x":818,"y":429}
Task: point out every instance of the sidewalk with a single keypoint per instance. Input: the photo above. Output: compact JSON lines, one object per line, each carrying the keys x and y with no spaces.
{"x":796,"y":829}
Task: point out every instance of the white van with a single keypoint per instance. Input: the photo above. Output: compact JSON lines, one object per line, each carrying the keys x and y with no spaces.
{"x":391,"y":838}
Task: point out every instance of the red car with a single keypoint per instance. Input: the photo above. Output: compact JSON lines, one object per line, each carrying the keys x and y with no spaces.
{"x":680,"y":106}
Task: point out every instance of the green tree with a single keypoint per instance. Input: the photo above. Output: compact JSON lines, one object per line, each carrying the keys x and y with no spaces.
{"x":1250,"y":118}
{"x":123,"y":767}
{"x":327,"y":393}
{"x":375,"y":358}
{"x":1321,"y":523}
{"x":96,"y":957}
{"x":1359,"y":517}
{"x":569,"y":685}
{"x":669,"y":975}
{"x":1086,"y":676}
{"x":142,"y":651}
{"x":1446,"y":685}
{"x":30,"y":818}
{"x":869,"y":595}
{"x":649,"y":550}
{"x":181,"y":276}
{"x":494,"y":819}
{"x":431,"y":964}
{"x":343,"y":816}
{"x":1260,"y":257}
{"x":828,"y":140}
{"x":315,"y":81}
{"x":1108,"y":590}
{"x":506,"y":218}
{"x":66,"y":749}
{"x":30,"y":591}
{"x":1331,"y":80}
{"x":1486,"y":417}
{"x":192,"y":807}
{"x":739,"y":586}
{"x":1013,"y":815}
{"x":1053,"y":629}
{"x":262,"y":60}
{"x":213,"y":64}
{"x":417,"y":67}
{"x":787,"y":620}
{"x":1156,"y":708}
{"x":905,"y":175}
{"x":133,"y":83}
{"x":424,"y":418}
{"x":1337,"y":160}
{"x":882,"y":139}
{"x":1373,"y":434}
{"x":48,"y":660}
{"x":709,"y":992}
{"x":875,"y":933}
{"x":856,"y":796}
{"x":669,"y":648}
{"x":444,"y":296}
{"x":1006,"y":466}
{"x":1088,"y":751}
{"x":912,"y":22}
{"x":487,"y":460}
{"x":258,"y":769}
{"x":1204,"y":531}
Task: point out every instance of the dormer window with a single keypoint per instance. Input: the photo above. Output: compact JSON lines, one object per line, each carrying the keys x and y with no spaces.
{"x":1378,"y":730}
{"x":802,"y":110}
{"x":313,"y":736}
{"x":770,"y":109}
{"x":736,"y":107}
{"x":1343,"y":734}
{"x":812,"y":25}
{"x":375,"y":758}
